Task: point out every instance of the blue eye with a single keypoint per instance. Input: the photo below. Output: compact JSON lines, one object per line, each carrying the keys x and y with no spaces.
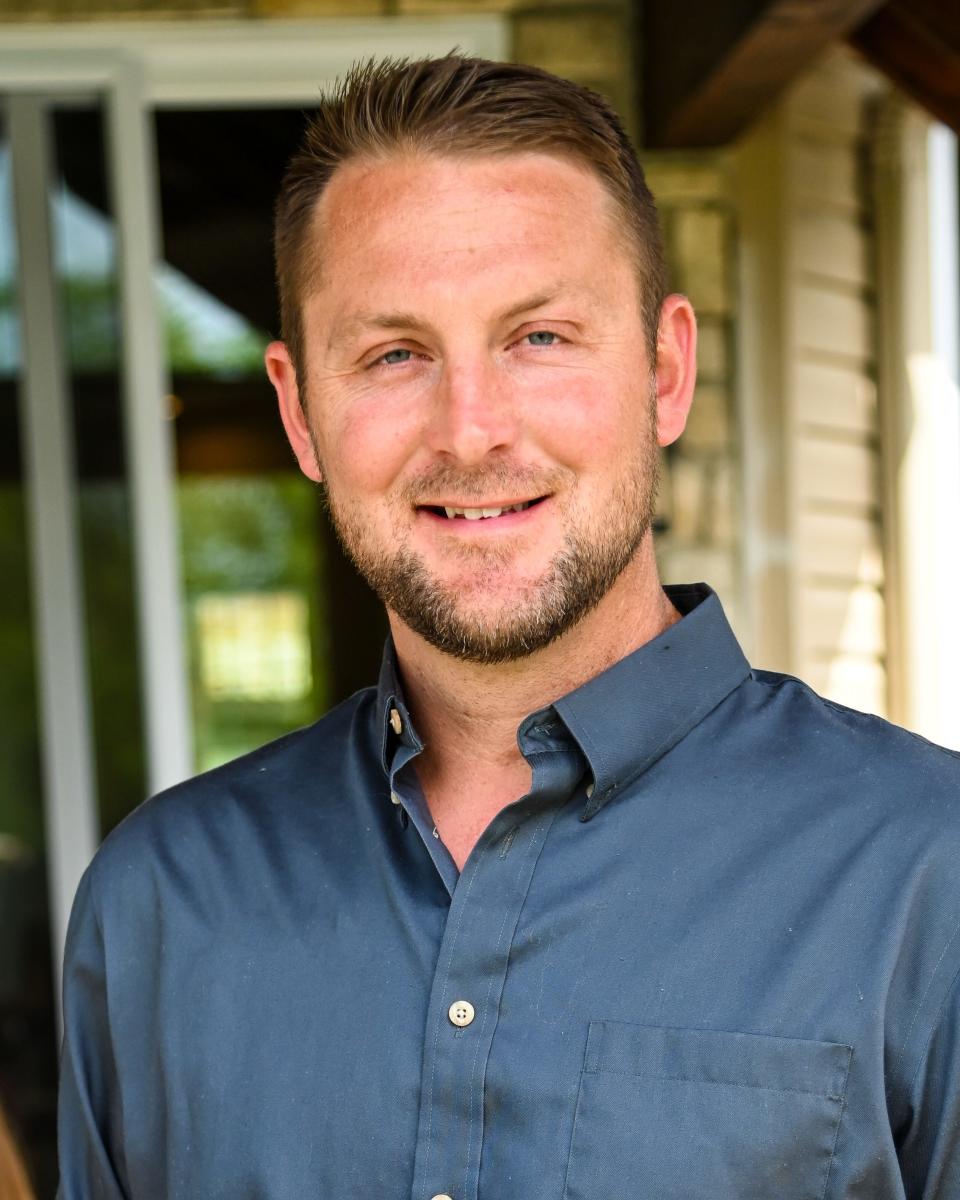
{"x":391,"y":358}
{"x":541,"y":337}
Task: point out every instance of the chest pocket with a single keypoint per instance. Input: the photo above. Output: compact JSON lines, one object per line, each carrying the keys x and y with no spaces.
{"x":687,"y":1114}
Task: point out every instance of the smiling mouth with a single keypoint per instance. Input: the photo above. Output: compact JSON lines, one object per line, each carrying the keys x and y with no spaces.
{"x":479,"y":514}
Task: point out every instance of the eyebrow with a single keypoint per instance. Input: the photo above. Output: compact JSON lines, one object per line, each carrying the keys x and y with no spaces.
{"x":538,"y":300}
{"x":398,"y":319}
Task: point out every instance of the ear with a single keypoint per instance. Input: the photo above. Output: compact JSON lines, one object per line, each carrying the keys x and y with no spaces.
{"x":676,"y":367}
{"x":284,"y":379}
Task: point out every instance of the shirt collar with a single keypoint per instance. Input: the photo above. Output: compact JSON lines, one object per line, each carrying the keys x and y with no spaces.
{"x":393,"y":716}
{"x":632,"y":713}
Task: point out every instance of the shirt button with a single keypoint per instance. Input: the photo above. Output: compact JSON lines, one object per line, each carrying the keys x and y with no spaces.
{"x":395,"y":723}
{"x":589,"y":790}
{"x":441,"y":1196}
{"x":394,"y":798}
{"x":461,"y":1013}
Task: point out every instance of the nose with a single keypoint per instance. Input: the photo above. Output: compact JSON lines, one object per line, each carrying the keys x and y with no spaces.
{"x":475,"y":414}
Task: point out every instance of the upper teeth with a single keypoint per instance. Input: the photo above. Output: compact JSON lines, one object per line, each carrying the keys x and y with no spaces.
{"x":474,"y":514}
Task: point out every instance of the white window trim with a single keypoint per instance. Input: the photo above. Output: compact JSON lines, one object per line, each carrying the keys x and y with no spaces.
{"x":245,"y":63}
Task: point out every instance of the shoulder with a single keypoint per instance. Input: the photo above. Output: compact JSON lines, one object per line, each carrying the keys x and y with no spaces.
{"x":874,"y":812}
{"x":805,"y":727}
{"x":862,"y":789}
{"x":244,"y":799}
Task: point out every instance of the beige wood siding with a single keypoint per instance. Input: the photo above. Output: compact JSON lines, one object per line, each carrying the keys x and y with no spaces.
{"x":819,"y":406}
{"x":840,"y":641}
{"x":698,"y":518}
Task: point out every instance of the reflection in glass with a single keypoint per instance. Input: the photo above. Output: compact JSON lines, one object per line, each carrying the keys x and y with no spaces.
{"x":257,"y":633}
{"x":254,"y":646}
{"x":203,"y":336}
{"x":264,"y":577}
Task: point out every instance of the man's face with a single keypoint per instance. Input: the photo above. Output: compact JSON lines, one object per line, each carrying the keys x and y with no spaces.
{"x":475,"y":342}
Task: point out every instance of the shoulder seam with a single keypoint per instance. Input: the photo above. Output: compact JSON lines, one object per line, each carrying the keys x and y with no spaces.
{"x":846,"y":710}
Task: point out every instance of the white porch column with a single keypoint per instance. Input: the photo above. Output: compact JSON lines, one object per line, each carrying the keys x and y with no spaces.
{"x":919,"y":285}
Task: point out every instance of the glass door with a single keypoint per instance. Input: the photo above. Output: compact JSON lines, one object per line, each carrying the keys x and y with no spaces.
{"x":151,"y":515}
{"x":116,"y":364}
{"x":80,"y":455}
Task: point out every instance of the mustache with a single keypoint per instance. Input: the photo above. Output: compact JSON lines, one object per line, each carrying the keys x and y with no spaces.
{"x":500,"y":479}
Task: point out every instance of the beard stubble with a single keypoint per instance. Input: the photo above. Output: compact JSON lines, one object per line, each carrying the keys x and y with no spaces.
{"x":595,"y":552}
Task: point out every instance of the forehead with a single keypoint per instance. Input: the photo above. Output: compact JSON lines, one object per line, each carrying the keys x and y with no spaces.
{"x":407,"y":210}
{"x":399,"y":176}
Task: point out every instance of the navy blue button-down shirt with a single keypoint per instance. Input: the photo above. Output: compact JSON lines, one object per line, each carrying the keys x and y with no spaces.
{"x":713,"y":955}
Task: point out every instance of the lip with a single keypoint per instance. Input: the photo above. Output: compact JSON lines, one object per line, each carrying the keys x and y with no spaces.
{"x":474,"y":503}
{"x":461,"y":526}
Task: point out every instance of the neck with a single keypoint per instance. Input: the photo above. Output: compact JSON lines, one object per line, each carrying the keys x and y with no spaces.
{"x":468,"y":713}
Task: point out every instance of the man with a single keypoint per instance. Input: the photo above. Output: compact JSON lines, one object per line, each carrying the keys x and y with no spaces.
{"x":573,"y":903}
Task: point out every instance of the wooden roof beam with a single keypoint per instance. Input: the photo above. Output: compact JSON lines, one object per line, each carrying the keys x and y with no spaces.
{"x":916,"y":43}
{"x":710,"y":68}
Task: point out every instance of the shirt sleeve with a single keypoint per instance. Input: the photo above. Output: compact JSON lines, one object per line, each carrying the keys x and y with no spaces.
{"x":89,"y":1120}
{"x":930,"y":1154}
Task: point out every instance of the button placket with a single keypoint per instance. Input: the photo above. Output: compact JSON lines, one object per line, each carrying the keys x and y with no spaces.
{"x":483,"y":917}
{"x":410,"y":807}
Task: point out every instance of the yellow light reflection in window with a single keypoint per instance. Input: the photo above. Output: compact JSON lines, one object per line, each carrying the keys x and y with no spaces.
{"x":254,"y":646}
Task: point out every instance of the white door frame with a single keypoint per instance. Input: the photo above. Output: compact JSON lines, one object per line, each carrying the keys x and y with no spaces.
{"x":67,"y":759}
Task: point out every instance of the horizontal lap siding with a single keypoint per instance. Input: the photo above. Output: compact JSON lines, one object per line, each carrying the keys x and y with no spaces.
{"x":840,"y":640}
{"x":837,"y":474}
{"x":839,"y":398}
{"x":840,"y":548}
{"x":698,"y":516}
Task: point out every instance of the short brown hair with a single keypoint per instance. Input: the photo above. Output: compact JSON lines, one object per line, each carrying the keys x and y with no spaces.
{"x":459,"y":106}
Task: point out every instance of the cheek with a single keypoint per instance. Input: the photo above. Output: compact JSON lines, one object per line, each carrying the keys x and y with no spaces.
{"x":586,"y":417}
{"x":369,"y":439}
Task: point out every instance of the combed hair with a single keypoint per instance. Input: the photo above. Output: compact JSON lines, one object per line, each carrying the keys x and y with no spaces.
{"x":457,"y":106}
